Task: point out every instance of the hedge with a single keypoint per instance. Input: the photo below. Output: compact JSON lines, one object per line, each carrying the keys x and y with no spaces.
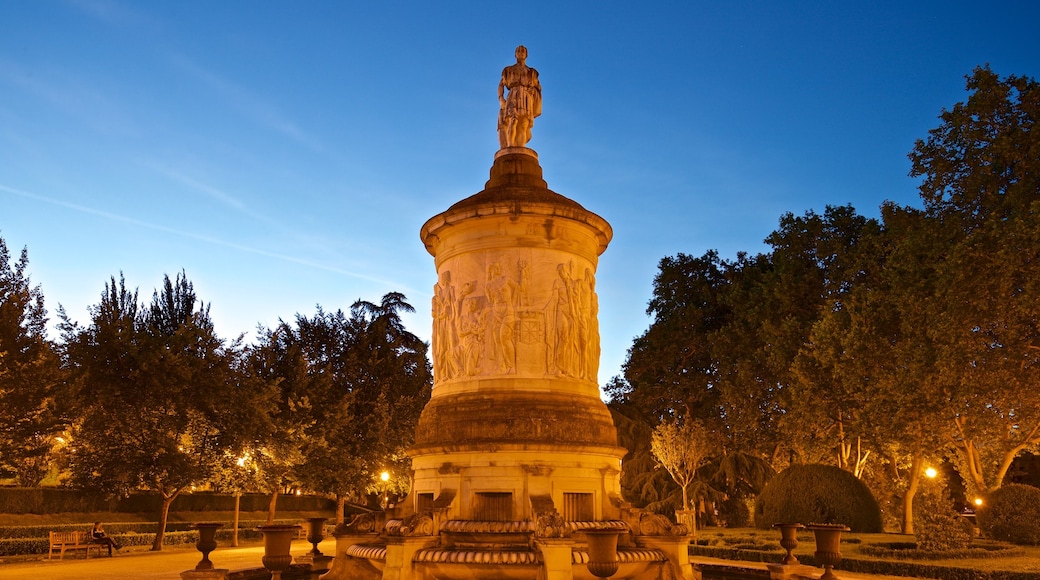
{"x":817,"y":494}
{"x":53,"y":500}
{"x":36,"y":538}
{"x":1012,"y":513}
{"x":875,"y":567}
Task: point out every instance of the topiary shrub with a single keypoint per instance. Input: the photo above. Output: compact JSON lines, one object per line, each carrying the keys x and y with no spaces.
{"x":818,"y":494}
{"x":937,"y":527}
{"x":1012,"y":514}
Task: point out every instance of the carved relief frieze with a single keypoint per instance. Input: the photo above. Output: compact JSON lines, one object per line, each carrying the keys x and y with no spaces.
{"x":512,"y":312}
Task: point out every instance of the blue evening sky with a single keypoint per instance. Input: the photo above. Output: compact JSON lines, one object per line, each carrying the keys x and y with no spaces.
{"x":285,"y":154}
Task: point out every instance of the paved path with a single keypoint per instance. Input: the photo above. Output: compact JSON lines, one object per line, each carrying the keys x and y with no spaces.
{"x":147,"y":565}
{"x":168,"y":564}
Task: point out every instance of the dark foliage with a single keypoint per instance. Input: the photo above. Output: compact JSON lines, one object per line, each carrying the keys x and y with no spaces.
{"x":818,"y":494}
{"x":1012,"y":514}
{"x":937,"y":527}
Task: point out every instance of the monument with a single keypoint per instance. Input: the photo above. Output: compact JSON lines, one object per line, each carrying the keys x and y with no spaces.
{"x":516,"y":467}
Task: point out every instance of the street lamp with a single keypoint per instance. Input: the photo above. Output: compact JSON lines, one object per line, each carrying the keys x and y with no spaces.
{"x":385,"y":477}
{"x":931,"y":472}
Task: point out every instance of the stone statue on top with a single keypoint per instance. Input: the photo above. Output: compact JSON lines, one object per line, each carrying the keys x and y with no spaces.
{"x":521,"y":105}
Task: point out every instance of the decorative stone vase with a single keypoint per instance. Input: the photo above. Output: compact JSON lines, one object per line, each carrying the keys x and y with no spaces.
{"x":277,"y":541}
{"x":789,"y":541}
{"x":828,"y":546}
{"x":603,"y":560}
{"x":315,"y":534}
{"x":207,"y":543}
{"x":687,"y":518}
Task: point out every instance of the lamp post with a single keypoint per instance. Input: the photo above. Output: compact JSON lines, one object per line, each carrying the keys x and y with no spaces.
{"x":384,"y":500}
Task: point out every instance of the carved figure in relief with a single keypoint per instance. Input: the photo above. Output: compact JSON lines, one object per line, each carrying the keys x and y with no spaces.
{"x":445,"y":328}
{"x":503,"y":294}
{"x":582,"y":308}
{"x":521,"y":105}
{"x":471,"y":333}
{"x":560,"y":335}
{"x":592,"y":349}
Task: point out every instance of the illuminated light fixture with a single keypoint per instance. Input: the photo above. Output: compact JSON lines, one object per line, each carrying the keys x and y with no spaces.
{"x":931,"y":472}
{"x":978,"y":502}
{"x":385,"y":476}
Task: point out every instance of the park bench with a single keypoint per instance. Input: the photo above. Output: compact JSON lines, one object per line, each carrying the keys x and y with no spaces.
{"x":62,"y":541}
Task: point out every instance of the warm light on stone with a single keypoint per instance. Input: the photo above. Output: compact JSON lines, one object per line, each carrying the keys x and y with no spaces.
{"x":516,"y":470}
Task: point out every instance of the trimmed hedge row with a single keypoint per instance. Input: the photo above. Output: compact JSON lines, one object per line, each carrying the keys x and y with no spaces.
{"x":909,"y":550}
{"x":12,"y":546}
{"x":113,"y":529}
{"x":880,"y":567}
{"x":54,"y":500}
{"x":116,"y":528}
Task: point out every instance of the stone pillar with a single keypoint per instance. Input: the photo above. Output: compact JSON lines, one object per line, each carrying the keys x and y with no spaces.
{"x":400,"y":553}
{"x":556,"y":557}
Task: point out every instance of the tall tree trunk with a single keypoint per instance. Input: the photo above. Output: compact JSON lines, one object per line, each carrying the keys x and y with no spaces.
{"x":971,"y":457}
{"x":164,"y":515}
{"x":272,"y":506}
{"x":238,"y":504}
{"x":908,"y":495}
{"x":861,"y":458}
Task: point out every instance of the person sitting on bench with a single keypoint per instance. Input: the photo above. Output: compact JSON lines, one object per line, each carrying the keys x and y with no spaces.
{"x":98,"y":536}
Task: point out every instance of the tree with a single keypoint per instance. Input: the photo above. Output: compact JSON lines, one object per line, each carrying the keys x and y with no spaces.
{"x":682,"y":448}
{"x":670,"y":369}
{"x":816,"y":265}
{"x":980,"y":173}
{"x":30,"y":377}
{"x":158,"y":401}
{"x":874,"y":353}
{"x":352,"y":387}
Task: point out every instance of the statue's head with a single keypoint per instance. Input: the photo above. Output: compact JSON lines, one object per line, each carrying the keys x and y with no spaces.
{"x":521,"y":53}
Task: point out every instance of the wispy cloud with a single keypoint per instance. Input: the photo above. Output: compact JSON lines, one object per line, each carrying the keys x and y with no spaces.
{"x":116,"y":14}
{"x":250,"y":104}
{"x":217,"y":194}
{"x":71,"y":95}
{"x":191,"y":235}
{"x":236,"y":204}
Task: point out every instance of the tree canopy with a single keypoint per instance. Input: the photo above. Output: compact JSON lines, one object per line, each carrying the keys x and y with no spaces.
{"x":31,"y":418}
{"x":879,"y":346}
{"x":156,"y":394}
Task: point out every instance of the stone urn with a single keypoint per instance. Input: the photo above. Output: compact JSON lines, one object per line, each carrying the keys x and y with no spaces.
{"x":789,"y":541}
{"x":315,"y":534}
{"x":828,"y":546}
{"x":207,"y":543}
{"x":277,"y":541}
{"x":603,"y":560}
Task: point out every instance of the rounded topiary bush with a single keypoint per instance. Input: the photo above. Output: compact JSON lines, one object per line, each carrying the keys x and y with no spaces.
{"x":818,"y":494}
{"x":1012,"y":514}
